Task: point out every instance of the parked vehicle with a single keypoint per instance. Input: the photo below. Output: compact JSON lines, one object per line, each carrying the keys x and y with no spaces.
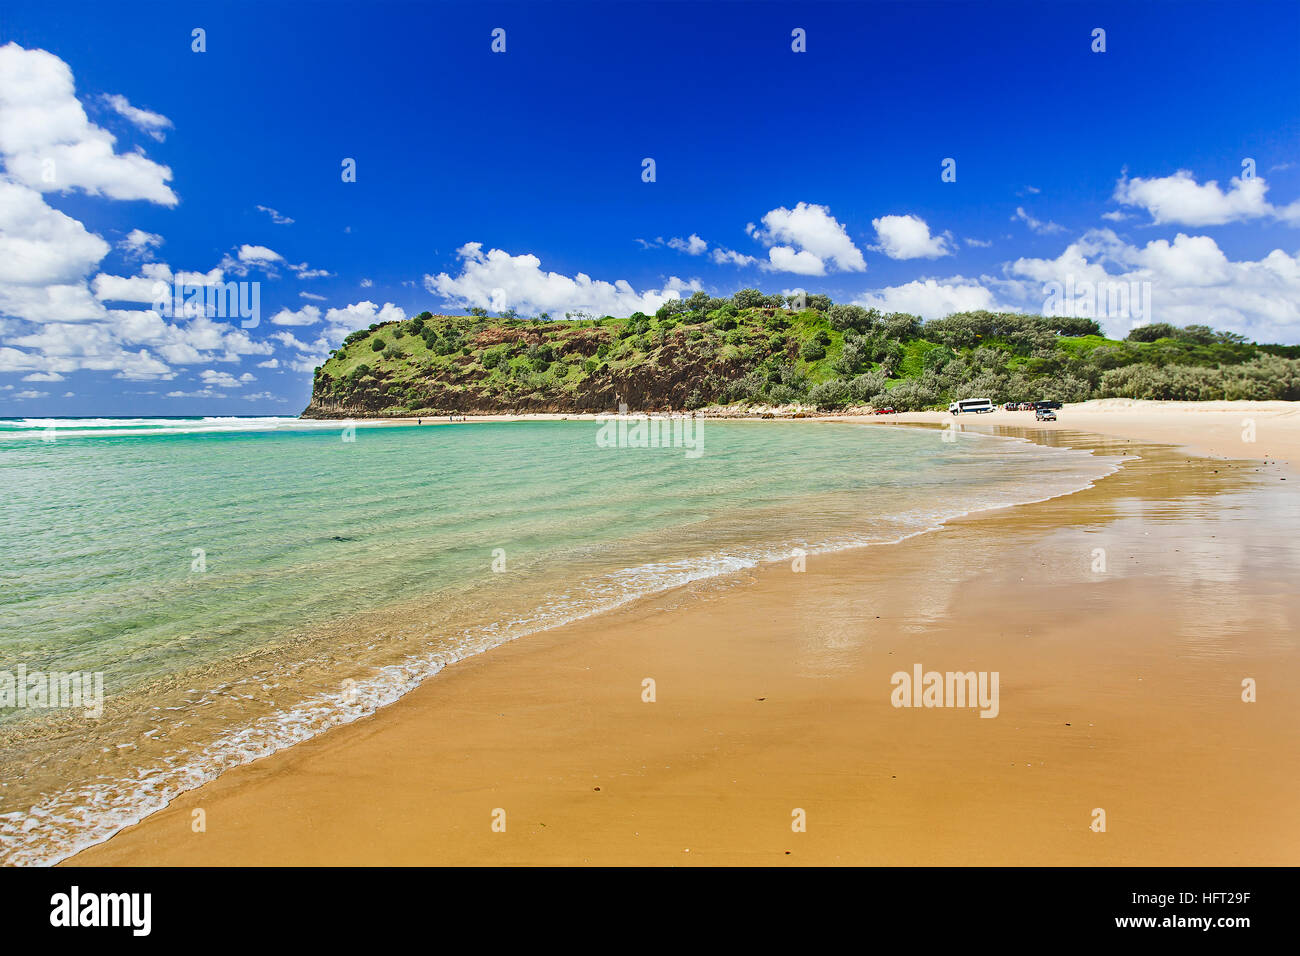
{"x":1044,"y":415}
{"x":977,"y":405}
{"x":886,"y":411}
{"x":1047,"y":405}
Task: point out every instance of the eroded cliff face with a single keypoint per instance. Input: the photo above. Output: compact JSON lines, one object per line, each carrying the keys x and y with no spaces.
{"x":457,"y":365}
{"x":654,"y":387}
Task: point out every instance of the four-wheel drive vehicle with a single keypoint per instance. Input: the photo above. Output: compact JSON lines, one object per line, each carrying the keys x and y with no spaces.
{"x":1044,"y":415}
{"x":1047,"y":404}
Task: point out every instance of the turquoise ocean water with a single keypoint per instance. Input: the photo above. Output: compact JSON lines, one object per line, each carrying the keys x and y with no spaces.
{"x":244,"y":584}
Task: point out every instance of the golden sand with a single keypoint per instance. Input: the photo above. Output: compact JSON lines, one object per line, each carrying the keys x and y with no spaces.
{"x":1120,"y":690}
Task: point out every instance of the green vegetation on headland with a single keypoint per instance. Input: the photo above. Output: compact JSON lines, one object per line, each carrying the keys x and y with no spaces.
{"x":754,"y":349}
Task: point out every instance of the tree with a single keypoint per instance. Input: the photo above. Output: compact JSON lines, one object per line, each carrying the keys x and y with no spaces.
{"x":1149,"y":333}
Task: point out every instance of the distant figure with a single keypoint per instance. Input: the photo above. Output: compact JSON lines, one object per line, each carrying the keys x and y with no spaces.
{"x":419,"y":421}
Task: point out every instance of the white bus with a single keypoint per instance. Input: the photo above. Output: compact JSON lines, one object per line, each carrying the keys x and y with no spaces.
{"x":977,"y":405}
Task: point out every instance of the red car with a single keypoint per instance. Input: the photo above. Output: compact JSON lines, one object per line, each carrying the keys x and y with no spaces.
{"x":885,"y":411}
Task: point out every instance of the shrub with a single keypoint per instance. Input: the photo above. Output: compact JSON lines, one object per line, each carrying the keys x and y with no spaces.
{"x":812,"y":351}
{"x":863,"y":387}
{"x":834,"y":393}
{"x":377,"y":344}
{"x":910,"y":396}
{"x":782,"y":395}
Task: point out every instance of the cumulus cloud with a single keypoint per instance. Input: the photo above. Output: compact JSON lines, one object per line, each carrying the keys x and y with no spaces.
{"x":1180,"y":199}
{"x":496,"y":280}
{"x":50,"y":145}
{"x":800,"y":261}
{"x":45,"y":256}
{"x":259,"y":255}
{"x":908,"y":237}
{"x":307,"y":315}
{"x":338,"y":323}
{"x":693,"y":245}
{"x":931,"y":298}
{"x":151,"y":123}
{"x":724,"y":257}
{"x":211,"y":377}
{"x":139,"y":244}
{"x":797,"y":236}
{"x":1191,"y":280}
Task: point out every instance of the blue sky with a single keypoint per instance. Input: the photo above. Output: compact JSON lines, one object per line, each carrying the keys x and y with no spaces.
{"x":816,"y":170}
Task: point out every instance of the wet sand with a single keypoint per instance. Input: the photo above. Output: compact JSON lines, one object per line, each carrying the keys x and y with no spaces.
{"x":1120,"y":689}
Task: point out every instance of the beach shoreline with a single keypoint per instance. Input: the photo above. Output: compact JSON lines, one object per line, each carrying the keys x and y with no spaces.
{"x":1246,"y":430}
{"x":545,"y":725}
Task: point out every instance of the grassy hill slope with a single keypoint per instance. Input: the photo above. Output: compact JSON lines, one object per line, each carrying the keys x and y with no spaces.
{"x":755,"y":349}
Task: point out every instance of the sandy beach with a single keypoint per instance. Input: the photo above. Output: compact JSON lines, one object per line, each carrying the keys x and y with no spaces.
{"x":1121,"y":690}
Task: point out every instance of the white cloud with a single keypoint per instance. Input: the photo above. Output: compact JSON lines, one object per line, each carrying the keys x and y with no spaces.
{"x":29,"y":393}
{"x":307,"y":315}
{"x":338,"y":323}
{"x":138,"y":244}
{"x":258,"y":255}
{"x":367,"y":283}
{"x":930,"y":298}
{"x":44,"y":259}
{"x":151,"y":123}
{"x":213,"y":378}
{"x":276,"y":217}
{"x":730,"y":257}
{"x":1180,"y":199}
{"x":43,"y":377}
{"x":787,"y":259}
{"x":311,"y":295}
{"x":50,"y":145}
{"x":1036,"y":225}
{"x":497,"y":281}
{"x":269,"y":363}
{"x":360,"y":315}
{"x":978,"y":243}
{"x":302,"y":271}
{"x":908,"y":237}
{"x":1191,"y":281}
{"x":693,"y":245}
{"x":805,"y":232}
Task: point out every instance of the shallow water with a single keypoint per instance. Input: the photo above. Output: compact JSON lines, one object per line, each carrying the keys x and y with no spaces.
{"x":245,"y":584}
